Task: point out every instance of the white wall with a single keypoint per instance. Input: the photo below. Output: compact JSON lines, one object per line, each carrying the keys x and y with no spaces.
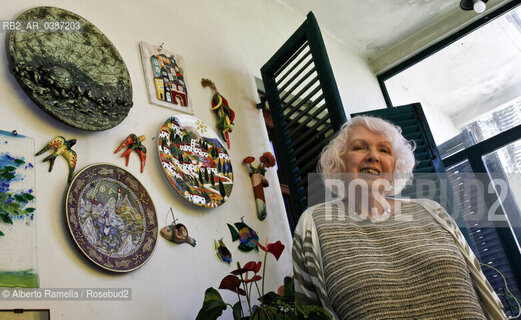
{"x":226,"y":41}
{"x":414,"y":85}
{"x":357,"y":84}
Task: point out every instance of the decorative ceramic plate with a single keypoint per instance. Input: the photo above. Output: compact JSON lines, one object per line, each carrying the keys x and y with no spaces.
{"x":77,"y":77}
{"x":111,"y":217}
{"x":195,"y":161}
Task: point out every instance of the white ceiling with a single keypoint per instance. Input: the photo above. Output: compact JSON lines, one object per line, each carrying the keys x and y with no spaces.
{"x":370,"y":27}
{"x":472,"y":76}
{"x":386,"y":31}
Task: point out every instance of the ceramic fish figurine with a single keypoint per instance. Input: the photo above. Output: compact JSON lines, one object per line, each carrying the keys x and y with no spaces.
{"x":63,"y":147}
{"x":133,"y":142}
{"x":222,"y":252}
{"x":177,"y":233}
{"x":223,"y":111}
{"x":245,"y":235}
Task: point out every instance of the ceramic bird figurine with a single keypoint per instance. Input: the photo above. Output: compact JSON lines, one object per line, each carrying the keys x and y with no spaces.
{"x":133,"y":142}
{"x":177,"y":233}
{"x":222,"y":252}
{"x":63,"y":147}
{"x":245,"y":235}
{"x":223,"y":111}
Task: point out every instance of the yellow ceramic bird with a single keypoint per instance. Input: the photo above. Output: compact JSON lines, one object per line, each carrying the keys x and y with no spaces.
{"x":63,"y":147}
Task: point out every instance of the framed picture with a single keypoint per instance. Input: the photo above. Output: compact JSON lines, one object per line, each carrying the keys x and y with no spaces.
{"x":165,"y":78}
{"x":25,"y":314}
{"x":18,"y":247}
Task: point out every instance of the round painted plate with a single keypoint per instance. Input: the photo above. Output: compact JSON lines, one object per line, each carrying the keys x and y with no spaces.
{"x":111,"y":217}
{"x":77,"y":77}
{"x":195,"y":161}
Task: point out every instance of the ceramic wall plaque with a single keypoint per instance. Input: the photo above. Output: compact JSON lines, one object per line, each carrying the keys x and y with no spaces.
{"x":77,"y":77}
{"x":111,"y":218}
{"x":165,"y":78}
{"x":195,"y":161}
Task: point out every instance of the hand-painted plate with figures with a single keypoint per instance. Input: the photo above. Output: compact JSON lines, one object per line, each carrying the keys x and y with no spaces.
{"x":195,"y":161}
{"x":111,"y":218}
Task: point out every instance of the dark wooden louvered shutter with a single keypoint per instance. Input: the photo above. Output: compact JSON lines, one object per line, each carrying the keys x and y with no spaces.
{"x":305,"y":107}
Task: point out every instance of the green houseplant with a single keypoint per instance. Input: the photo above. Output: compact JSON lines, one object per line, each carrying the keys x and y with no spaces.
{"x":273,"y":306}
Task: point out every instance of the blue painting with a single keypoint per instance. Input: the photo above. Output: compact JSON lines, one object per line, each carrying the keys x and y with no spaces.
{"x":17,"y":212}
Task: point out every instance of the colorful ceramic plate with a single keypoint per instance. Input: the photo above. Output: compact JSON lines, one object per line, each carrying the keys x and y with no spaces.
{"x":195,"y":161}
{"x":76,"y":76}
{"x":111,"y":218}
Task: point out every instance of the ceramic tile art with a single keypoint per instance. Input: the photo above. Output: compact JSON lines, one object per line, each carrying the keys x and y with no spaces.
{"x":18,"y":256}
{"x":165,"y":78}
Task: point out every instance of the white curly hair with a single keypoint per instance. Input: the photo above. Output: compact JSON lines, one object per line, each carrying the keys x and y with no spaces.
{"x":332,"y":162}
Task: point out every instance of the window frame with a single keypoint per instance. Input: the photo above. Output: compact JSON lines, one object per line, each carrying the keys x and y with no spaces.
{"x":437,"y":46}
{"x":474,"y":153}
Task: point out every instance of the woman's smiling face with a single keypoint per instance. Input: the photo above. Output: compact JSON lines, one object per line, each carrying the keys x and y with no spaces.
{"x":368,"y":156}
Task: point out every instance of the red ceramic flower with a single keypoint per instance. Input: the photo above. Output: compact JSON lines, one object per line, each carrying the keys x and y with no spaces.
{"x":267,"y":159}
{"x":250,"y":266}
{"x":248,"y":160}
{"x":274,"y":248}
{"x":232,"y":283}
{"x":253,"y":266}
{"x":255,"y":278}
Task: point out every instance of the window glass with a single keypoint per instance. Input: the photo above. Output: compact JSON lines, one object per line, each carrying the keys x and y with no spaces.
{"x":472,"y":78}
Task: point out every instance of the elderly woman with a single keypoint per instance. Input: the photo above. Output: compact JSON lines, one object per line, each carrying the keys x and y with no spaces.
{"x":369,"y":256}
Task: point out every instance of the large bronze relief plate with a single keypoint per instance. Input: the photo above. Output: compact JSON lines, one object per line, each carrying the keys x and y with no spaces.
{"x":77,"y":77}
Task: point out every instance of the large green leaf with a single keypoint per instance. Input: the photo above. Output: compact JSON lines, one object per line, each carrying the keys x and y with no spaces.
{"x":1,"y":233}
{"x":9,"y":168}
{"x":269,"y":298}
{"x":289,"y":288}
{"x":237,"y":311}
{"x":213,"y":305}
{"x":311,"y":312}
{"x":19,"y":161}
{"x":266,"y":313}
